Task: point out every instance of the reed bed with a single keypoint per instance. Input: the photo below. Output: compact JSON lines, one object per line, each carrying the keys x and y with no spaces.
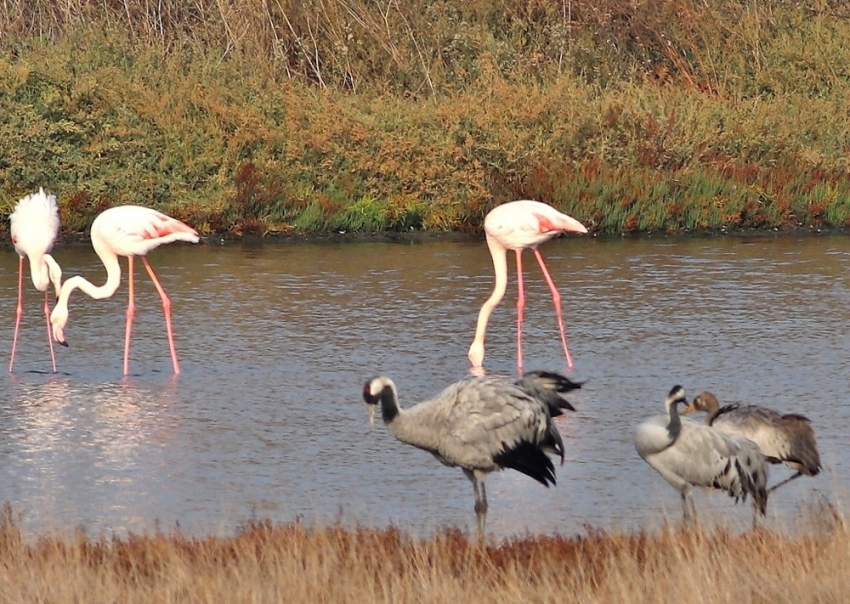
{"x":294,"y":563}
{"x":255,"y":117}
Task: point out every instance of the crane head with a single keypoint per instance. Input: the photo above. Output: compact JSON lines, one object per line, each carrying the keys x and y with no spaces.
{"x":381,"y":389}
{"x":371,"y":399}
{"x":676,"y":396}
{"x":705,"y":401}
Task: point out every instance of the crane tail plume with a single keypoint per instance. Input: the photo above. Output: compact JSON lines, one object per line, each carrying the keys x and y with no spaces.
{"x":530,"y":460}
{"x":550,"y":387}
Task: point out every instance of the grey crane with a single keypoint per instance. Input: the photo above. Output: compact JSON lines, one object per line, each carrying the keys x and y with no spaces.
{"x":688,"y":454}
{"x":482,"y":424}
{"x":784,"y":439}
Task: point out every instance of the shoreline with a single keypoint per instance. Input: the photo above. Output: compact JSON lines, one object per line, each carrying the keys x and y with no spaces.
{"x":423,"y":236}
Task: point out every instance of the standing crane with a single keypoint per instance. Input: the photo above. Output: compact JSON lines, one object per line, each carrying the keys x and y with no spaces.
{"x":690,"y":454}
{"x":34,"y":225}
{"x":483,"y":424}
{"x":784,"y":439}
{"x":519,"y":225}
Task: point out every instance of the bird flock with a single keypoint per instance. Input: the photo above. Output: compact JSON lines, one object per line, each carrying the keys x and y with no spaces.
{"x":120,"y":231}
{"x":482,"y":423}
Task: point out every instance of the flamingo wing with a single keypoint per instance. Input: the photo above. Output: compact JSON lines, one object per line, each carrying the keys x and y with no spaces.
{"x":34,"y":224}
{"x":136,"y":230}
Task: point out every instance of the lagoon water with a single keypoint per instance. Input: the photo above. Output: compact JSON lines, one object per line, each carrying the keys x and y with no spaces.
{"x":266,"y":420}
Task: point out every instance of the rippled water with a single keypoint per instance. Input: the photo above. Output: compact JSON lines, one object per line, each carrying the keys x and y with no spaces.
{"x":276,"y":341}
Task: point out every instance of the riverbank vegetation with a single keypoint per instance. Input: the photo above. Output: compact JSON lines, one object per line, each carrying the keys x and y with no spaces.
{"x":280,"y":116}
{"x":293,"y":563}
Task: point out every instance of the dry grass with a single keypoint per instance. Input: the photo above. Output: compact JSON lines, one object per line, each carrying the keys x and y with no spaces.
{"x":294,"y":563}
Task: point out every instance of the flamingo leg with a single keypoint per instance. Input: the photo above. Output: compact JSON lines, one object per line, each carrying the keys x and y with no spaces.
{"x":166,"y":309}
{"x":556,"y":298}
{"x":131,"y":311}
{"x":520,"y":308}
{"x":49,"y":332}
{"x":20,"y":309}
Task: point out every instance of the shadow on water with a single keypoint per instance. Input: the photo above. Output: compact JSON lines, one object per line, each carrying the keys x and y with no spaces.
{"x":276,"y":341}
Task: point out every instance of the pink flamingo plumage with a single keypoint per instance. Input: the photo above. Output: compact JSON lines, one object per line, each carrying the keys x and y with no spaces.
{"x":518,"y":225}
{"x":125,"y":231}
{"x":34,"y":226}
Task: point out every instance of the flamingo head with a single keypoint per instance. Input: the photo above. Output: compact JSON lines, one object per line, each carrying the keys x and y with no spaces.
{"x":58,"y":320}
{"x":476,"y":354}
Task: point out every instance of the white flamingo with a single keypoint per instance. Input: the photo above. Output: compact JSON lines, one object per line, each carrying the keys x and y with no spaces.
{"x":483,"y":424}
{"x":125,"y":231}
{"x":34,"y":227}
{"x":518,"y":225}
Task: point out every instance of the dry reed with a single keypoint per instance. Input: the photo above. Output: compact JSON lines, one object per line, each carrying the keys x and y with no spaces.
{"x":294,"y":563}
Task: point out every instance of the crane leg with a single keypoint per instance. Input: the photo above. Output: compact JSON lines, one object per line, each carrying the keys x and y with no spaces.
{"x":556,"y":298}
{"x":689,"y":509}
{"x":480,"y":494}
{"x":786,"y":481}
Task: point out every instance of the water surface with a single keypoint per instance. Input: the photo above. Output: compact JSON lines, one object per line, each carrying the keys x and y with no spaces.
{"x":266,"y":421}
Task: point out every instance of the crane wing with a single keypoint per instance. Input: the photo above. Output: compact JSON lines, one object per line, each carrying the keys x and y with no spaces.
{"x":703,"y":456}
{"x":782,"y":438}
{"x":499,"y":425}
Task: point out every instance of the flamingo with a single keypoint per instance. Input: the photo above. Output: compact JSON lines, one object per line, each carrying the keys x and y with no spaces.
{"x":34,"y":226}
{"x":125,"y":231}
{"x":483,"y":424}
{"x":518,"y":225}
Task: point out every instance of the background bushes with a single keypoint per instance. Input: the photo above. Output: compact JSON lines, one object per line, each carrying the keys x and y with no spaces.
{"x":273,"y":116}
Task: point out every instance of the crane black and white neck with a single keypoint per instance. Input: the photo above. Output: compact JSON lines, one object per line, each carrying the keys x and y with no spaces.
{"x":483,"y":424}
{"x":688,"y":454}
{"x":784,"y":439}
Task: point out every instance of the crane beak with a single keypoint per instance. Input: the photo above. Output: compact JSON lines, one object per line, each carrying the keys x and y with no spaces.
{"x":372,"y":414}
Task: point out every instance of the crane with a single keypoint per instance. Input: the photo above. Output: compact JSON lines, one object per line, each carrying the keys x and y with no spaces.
{"x":691,"y":454}
{"x":483,"y":424}
{"x":784,"y":439}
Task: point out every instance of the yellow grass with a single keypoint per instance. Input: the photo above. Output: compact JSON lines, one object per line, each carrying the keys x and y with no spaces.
{"x":294,"y":563}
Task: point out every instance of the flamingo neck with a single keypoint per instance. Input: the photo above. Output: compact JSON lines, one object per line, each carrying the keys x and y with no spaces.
{"x":39,"y":272}
{"x":98,"y":292}
{"x":500,"y":269}
{"x":54,"y":272}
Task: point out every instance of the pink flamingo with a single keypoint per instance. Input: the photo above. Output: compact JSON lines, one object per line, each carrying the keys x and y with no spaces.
{"x":518,"y":225}
{"x":34,"y":226}
{"x":125,"y":231}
